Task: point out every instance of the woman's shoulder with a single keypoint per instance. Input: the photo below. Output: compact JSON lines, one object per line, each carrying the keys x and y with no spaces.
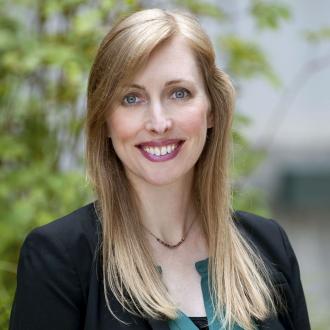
{"x":80,"y":226}
{"x":253,"y":224}
{"x":271,"y":242}
{"x":63,"y":250}
{"x":69,"y":242}
{"x":54,"y":270}
{"x":268,"y":237}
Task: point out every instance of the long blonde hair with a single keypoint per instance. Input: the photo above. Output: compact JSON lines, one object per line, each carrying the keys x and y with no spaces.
{"x":238,"y":278}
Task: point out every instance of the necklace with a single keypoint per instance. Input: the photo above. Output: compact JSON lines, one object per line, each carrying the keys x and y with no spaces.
{"x":170,"y":246}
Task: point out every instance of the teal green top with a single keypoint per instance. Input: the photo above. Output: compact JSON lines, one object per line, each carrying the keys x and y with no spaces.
{"x":183,"y":322}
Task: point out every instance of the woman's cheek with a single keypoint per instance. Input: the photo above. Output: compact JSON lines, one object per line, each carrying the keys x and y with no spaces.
{"x":123,"y":127}
{"x":195,"y":122}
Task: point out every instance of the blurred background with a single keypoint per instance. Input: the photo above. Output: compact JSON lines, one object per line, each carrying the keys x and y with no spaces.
{"x":278,"y":55}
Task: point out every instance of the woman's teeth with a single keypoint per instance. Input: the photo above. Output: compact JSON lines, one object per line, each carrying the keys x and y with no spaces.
{"x":160,"y":151}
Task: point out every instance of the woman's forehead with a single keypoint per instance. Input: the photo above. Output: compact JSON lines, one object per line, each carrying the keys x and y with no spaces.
{"x":173,"y":60}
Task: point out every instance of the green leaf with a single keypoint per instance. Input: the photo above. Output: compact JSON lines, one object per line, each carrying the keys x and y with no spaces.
{"x":246,"y":59}
{"x":203,"y":8}
{"x":269,"y":15}
{"x":11,"y":150}
{"x":321,"y":35}
{"x":86,"y":21}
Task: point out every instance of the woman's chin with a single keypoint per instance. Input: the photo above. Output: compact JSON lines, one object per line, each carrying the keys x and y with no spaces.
{"x":158,"y":177}
{"x":161,"y":180}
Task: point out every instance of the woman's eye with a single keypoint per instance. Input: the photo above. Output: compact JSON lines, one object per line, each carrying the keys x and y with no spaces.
{"x":131,"y":99}
{"x":180,"y":93}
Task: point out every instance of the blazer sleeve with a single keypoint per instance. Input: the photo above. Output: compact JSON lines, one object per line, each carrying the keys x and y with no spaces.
{"x":296,"y":299}
{"x":48,"y":294}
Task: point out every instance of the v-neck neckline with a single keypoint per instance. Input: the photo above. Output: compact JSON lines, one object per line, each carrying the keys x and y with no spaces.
{"x":183,"y":322}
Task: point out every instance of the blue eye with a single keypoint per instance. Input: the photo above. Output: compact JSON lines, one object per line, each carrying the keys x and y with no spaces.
{"x":181,"y":93}
{"x":130,"y":99}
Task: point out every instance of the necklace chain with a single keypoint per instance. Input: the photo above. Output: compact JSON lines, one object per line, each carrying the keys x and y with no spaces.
{"x":170,"y":246}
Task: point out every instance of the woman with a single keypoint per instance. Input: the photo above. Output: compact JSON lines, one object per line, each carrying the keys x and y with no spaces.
{"x":161,"y":247}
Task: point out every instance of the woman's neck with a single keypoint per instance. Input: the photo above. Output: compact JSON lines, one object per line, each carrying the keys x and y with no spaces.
{"x":167,"y":211}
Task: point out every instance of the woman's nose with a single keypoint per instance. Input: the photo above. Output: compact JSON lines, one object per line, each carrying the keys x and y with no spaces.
{"x":158,"y":120}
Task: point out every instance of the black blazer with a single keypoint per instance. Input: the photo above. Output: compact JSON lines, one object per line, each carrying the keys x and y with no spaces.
{"x":59,"y":282}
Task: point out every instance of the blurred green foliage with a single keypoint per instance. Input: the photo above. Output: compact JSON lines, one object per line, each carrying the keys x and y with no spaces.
{"x":269,"y":14}
{"x":246,"y":59}
{"x":322,"y":34}
{"x":46,"y":50}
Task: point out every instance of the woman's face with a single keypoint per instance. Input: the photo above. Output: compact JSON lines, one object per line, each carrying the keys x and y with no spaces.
{"x":158,"y":126}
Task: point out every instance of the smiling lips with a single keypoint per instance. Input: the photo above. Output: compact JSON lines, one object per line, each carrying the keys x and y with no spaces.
{"x":159,"y":151}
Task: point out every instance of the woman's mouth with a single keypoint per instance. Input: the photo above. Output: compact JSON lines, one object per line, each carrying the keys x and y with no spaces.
{"x":158,"y":151}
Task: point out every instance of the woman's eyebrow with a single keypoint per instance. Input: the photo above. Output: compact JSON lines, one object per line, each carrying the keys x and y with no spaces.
{"x":137,"y":86}
{"x":172,"y":82}
{"x":168,"y":83}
